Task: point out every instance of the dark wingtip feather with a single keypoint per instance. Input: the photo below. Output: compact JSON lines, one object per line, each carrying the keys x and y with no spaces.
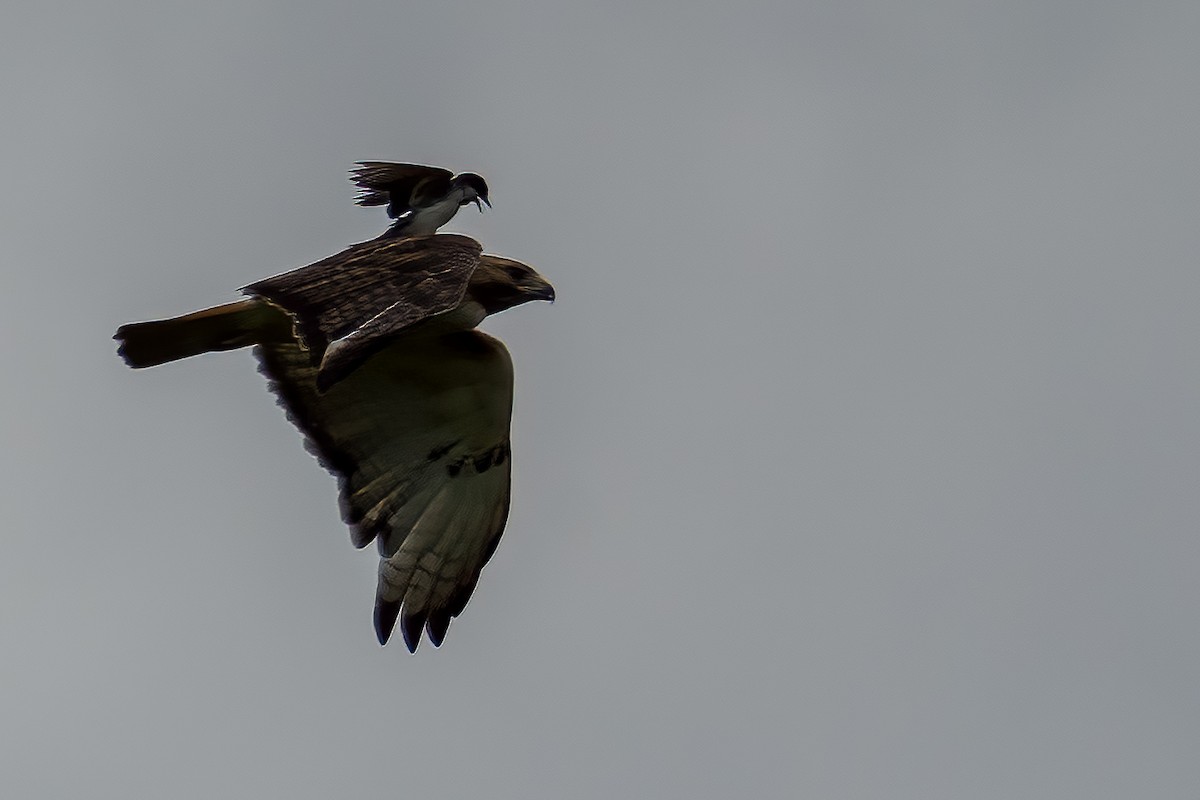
{"x":371,"y":197}
{"x":439,"y":621}
{"x":385,"y":619}
{"x":371,"y":179}
{"x":410,"y":626}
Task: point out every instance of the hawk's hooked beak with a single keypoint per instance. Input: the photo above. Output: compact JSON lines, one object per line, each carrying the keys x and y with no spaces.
{"x":543,"y":291}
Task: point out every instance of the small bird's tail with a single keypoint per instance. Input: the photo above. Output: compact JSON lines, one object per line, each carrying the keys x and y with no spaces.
{"x":227,"y":327}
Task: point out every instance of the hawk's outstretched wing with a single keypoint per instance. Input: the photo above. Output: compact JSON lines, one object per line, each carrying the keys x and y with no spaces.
{"x":418,"y":437}
{"x":398,"y":185}
{"x":370,"y":292}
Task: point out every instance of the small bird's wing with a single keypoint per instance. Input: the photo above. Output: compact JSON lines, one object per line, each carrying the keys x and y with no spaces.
{"x":370,"y":292}
{"x":398,"y":185}
{"x":418,"y":437}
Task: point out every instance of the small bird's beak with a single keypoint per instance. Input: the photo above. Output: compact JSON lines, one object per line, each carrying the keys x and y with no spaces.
{"x":480,"y":205}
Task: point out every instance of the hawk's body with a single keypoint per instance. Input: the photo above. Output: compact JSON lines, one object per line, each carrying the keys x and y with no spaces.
{"x":373,"y":355}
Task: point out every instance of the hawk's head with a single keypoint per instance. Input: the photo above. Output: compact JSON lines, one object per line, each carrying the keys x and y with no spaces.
{"x":500,"y":283}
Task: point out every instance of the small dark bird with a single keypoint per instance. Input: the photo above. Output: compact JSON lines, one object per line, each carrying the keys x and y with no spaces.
{"x":421,"y":199}
{"x":373,"y":355}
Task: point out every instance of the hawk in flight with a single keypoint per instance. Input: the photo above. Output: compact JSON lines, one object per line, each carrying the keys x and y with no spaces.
{"x":374,"y":356}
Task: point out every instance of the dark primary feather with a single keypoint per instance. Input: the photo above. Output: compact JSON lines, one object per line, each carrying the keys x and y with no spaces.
{"x":386,"y":614}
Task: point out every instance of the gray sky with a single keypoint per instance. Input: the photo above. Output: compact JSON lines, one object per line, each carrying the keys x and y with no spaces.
{"x":859,"y":457}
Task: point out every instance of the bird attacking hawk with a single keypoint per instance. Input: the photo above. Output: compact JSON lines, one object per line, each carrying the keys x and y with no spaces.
{"x":421,"y":199}
{"x":374,"y":356}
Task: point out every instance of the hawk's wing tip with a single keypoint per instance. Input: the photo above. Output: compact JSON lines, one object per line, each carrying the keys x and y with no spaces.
{"x":411,"y":626}
{"x":385,"y":619}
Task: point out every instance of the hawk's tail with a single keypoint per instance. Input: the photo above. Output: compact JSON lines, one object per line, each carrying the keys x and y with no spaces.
{"x":227,"y":327}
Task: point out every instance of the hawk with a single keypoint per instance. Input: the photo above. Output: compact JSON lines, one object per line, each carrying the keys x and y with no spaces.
{"x":374,"y":356}
{"x":421,"y":199}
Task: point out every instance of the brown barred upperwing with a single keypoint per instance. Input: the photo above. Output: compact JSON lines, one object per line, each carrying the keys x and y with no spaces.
{"x":391,"y":284}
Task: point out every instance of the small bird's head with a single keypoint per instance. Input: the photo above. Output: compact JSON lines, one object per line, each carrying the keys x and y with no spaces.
{"x":501,"y":283}
{"x":474,"y":189}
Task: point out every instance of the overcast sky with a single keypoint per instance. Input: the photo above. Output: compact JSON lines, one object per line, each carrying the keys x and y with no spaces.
{"x":859,"y":457}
